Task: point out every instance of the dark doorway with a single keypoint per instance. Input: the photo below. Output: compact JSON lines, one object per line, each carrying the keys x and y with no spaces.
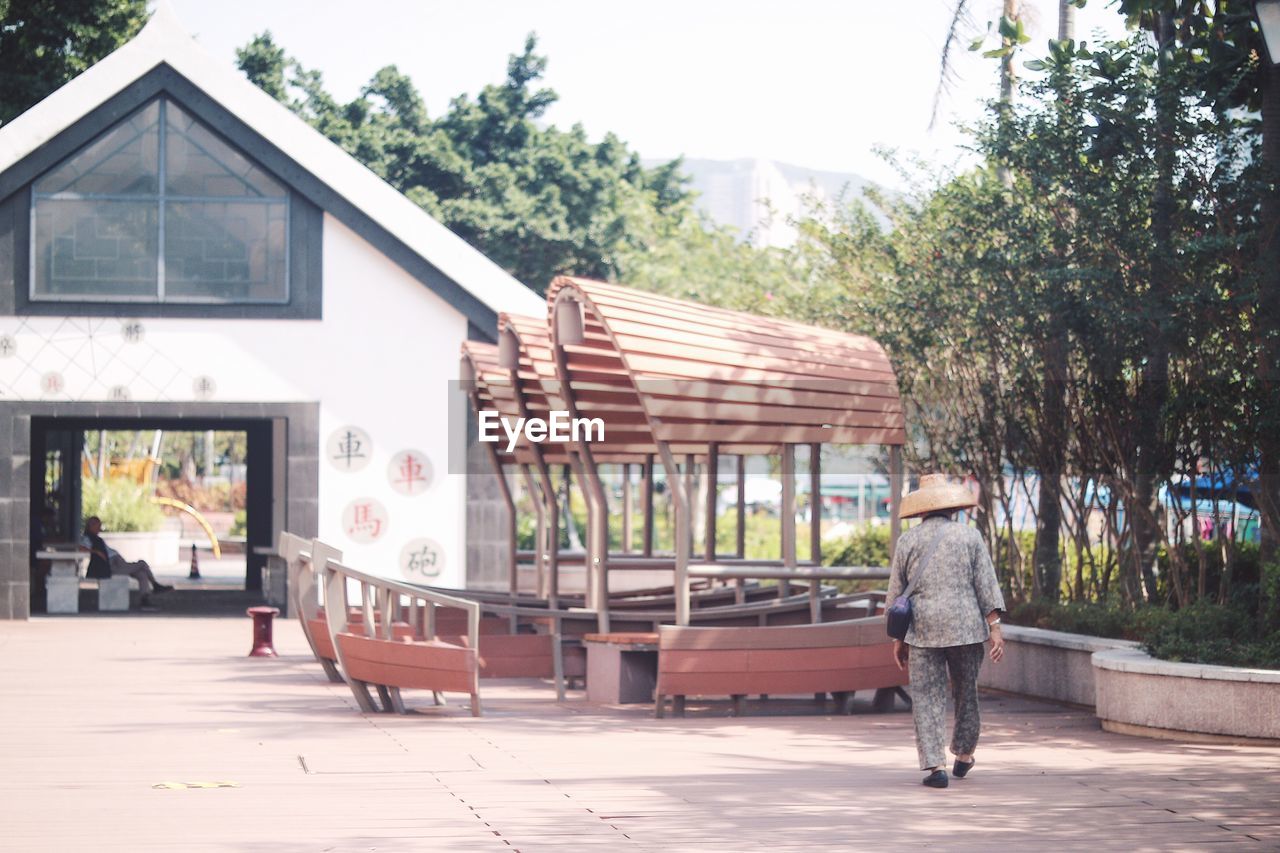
{"x":57,"y":478}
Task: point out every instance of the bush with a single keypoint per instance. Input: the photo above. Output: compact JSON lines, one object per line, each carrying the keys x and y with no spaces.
{"x":1097,"y":620}
{"x":123,"y":506}
{"x":1203,"y":632}
{"x":866,"y":547}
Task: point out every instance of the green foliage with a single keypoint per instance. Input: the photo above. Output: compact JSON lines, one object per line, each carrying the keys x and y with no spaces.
{"x":1202,"y":632}
{"x":123,"y":506}
{"x":1208,"y":633}
{"x":239,"y":524}
{"x":538,"y":200}
{"x":866,"y":547}
{"x":1097,"y":619}
{"x":44,"y":43}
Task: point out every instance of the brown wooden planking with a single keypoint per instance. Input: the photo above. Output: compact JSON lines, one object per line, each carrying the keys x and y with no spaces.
{"x":442,"y":655}
{"x":513,"y":655}
{"x":744,"y":433}
{"x":776,"y":660}
{"x":754,"y":413}
{"x":741,"y":339}
{"x":627,"y":303}
{"x":422,"y":665}
{"x":779,"y":683}
{"x":409,"y":677}
{"x":854,"y":632}
{"x":800,"y":379}
{"x":722,"y":352}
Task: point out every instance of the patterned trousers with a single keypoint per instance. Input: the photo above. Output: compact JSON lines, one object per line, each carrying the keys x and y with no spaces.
{"x":929,"y":669}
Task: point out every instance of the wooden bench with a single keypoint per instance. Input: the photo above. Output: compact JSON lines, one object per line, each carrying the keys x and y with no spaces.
{"x":304,"y":596}
{"x":373,"y":653}
{"x":836,"y":657}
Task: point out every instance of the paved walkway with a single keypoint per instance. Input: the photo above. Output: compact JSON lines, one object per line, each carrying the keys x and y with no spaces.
{"x":114,"y":729}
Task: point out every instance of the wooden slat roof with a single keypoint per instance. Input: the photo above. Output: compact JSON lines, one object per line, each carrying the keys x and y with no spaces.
{"x":538,"y":384}
{"x":492,"y":384}
{"x":658,"y":368}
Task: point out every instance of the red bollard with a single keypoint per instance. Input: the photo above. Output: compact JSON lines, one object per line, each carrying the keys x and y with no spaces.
{"x":262,"y":617}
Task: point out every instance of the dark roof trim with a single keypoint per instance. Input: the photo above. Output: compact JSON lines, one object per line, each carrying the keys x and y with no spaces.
{"x":164,"y":79}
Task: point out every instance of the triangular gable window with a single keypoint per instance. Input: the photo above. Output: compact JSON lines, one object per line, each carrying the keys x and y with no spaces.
{"x":159,"y":209}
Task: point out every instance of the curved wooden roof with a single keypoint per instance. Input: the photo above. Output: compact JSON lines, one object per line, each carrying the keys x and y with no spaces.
{"x":658,"y":368}
{"x":482,"y":371}
{"x":537,"y":383}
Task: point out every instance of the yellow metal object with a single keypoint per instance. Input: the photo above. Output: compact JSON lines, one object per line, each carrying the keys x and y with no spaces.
{"x":191,"y":511}
{"x":137,"y":470}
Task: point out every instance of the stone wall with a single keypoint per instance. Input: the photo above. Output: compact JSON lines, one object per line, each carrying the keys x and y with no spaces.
{"x":1050,"y":665}
{"x":1137,"y":692}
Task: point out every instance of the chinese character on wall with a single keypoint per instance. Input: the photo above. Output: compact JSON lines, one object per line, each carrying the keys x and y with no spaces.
{"x":410,"y":472}
{"x":349,"y":448}
{"x":364,"y":520}
{"x":421,"y":558}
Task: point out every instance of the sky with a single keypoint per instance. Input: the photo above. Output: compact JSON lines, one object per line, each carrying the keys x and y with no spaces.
{"x":816,"y":83}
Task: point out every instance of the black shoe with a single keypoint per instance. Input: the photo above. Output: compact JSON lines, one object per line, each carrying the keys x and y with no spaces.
{"x":936,"y":779}
{"x":961,"y":768}
{"x":161,"y":587}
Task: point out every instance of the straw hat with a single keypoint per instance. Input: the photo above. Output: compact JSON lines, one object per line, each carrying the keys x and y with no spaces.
{"x":936,"y":495}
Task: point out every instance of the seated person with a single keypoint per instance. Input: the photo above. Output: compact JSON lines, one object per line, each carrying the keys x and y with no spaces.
{"x":105,"y":561}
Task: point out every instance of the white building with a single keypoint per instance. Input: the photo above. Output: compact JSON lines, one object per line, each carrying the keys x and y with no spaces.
{"x":179,"y":250}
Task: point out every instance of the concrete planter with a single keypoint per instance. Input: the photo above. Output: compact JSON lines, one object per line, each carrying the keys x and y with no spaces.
{"x":1050,"y":665}
{"x":1138,"y":694}
{"x":159,"y":548}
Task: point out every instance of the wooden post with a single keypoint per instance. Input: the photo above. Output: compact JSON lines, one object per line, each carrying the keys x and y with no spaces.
{"x":712,"y":474}
{"x":626,"y":508}
{"x":540,"y":530}
{"x":684,"y":531}
{"x":646,"y":498}
{"x":788,"y":515}
{"x":553,"y":536}
{"x":895,"y":497}
{"x":742,"y":507}
{"x":597,"y":535}
{"x":815,"y":504}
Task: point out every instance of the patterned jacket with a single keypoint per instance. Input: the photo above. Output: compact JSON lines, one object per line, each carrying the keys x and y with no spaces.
{"x":954,"y":594}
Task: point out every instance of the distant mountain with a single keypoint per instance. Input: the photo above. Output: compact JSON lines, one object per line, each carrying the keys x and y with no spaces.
{"x":757,"y":197}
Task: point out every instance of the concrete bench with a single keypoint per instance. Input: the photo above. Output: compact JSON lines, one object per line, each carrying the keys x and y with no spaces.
{"x":62,"y":586}
{"x":621,"y":667}
{"x":836,"y":657}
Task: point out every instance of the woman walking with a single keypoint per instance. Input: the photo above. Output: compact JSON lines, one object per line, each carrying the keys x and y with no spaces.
{"x":955,"y":607}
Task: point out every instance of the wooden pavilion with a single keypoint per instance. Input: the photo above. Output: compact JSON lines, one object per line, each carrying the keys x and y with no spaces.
{"x":680,"y":385}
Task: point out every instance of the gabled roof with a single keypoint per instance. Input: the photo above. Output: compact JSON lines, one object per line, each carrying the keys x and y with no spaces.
{"x":163,"y":42}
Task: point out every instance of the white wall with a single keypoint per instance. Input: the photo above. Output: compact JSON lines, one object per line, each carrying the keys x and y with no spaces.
{"x":390,"y":349}
{"x":381,"y":360}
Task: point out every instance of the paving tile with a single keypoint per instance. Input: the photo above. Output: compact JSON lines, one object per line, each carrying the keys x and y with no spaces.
{"x":103,"y":710}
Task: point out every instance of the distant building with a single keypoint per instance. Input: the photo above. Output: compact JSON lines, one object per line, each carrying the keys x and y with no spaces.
{"x":760,"y":198}
{"x":178,"y":250}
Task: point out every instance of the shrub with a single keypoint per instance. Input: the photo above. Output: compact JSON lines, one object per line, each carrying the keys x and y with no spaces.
{"x":123,"y":506}
{"x":1098,"y":620}
{"x":866,"y":547}
{"x":1203,"y":632}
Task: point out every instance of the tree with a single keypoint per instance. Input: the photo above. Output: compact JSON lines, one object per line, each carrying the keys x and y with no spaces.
{"x":1223,"y":39}
{"x":44,"y":43}
{"x":539,"y":201}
